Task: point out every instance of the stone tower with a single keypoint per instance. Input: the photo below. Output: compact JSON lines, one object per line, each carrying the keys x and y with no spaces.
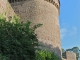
{"x":45,"y":12}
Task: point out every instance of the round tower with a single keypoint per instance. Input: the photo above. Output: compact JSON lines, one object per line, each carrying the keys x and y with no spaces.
{"x":45,"y":12}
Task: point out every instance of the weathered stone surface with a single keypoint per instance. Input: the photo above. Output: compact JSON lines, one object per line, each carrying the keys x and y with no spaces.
{"x":46,"y":13}
{"x":39,"y":11}
{"x":6,"y":9}
{"x":70,"y":56}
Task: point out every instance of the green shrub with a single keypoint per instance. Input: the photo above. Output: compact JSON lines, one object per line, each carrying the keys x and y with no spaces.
{"x":17,"y":41}
{"x":46,"y":55}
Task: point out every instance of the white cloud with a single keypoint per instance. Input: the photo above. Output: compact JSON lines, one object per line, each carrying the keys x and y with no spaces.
{"x":65,"y":32}
{"x":73,"y":32}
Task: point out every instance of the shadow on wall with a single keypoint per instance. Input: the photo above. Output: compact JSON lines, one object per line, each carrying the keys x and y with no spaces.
{"x":12,"y":1}
{"x":49,"y":47}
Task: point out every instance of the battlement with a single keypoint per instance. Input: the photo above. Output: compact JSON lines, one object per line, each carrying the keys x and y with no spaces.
{"x":54,"y":3}
{"x":57,"y":5}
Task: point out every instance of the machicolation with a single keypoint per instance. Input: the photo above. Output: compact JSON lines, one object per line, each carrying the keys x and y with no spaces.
{"x":54,"y":3}
{"x":51,"y":1}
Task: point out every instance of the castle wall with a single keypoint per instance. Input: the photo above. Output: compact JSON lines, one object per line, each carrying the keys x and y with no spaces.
{"x":39,"y":11}
{"x":46,"y":13}
{"x":69,"y":56}
{"x":6,"y":9}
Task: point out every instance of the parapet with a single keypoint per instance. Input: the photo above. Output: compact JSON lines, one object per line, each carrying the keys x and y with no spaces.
{"x":57,"y":5}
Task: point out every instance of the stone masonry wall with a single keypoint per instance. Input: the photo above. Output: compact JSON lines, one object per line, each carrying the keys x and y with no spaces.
{"x":70,"y":56}
{"x":6,"y":9}
{"x":39,"y":11}
{"x":46,"y":13}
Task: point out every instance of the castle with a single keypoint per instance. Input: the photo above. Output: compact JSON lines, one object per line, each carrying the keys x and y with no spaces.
{"x":45,"y":12}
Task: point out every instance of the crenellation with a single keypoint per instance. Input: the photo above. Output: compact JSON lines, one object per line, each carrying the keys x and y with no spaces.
{"x":54,"y":3}
{"x":51,"y":1}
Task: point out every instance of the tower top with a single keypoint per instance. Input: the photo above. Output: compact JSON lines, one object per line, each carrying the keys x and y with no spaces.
{"x":51,"y":1}
{"x":56,"y":3}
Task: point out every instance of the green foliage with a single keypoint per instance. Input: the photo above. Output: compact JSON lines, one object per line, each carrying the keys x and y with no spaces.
{"x":69,"y":50}
{"x":76,"y":50}
{"x":63,"y":50}
{"x":36,"y":26}
{"x":46,"y":55}
{"x":15,"y":19}
{"x":17,"y":41}
{"x":1,"y":16}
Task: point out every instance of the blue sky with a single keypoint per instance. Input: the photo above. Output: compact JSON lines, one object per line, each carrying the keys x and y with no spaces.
{"x":70,"y":23}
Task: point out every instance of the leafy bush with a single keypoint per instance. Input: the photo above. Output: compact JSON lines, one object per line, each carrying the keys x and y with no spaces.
{"x":17,"y":41}
{"x":46,"y":55}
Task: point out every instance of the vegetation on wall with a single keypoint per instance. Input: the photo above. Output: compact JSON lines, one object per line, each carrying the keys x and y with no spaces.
{"x":1,"y":16}
{"x":18,"y":42}
{"x":46,"y":55}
